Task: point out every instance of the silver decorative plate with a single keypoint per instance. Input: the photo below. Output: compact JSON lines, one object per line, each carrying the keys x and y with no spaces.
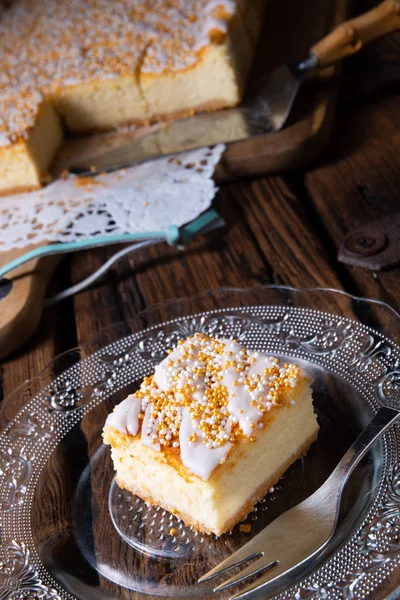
{"x":67,"y":531}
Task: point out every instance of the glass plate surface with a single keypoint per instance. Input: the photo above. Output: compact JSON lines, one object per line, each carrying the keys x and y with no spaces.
{"x":67,"y":531}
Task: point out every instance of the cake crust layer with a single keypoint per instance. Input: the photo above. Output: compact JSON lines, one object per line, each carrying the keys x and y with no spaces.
{"x":164,"y":117}
{"x":22,"y":189}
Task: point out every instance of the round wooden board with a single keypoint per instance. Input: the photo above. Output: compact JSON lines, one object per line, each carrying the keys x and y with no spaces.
{"x":21,"y":307}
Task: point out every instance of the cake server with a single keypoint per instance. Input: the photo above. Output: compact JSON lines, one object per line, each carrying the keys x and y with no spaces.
{"x":291,"y":543}
{"x":267,"y":113}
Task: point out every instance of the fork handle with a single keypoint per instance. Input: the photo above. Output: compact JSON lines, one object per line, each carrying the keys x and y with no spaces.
{"x":350,"y":36}
{"x":383,"y":419}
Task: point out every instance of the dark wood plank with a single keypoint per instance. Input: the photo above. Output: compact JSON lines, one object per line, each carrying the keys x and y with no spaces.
{"x":358,"y":177}
{"x":162,"y":272}
{"x":283,"y":233}
{"x":268,"y":239}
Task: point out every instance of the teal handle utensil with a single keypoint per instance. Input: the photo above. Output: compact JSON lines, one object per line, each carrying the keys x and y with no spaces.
{"x":22,"y":294}
{"x":176,"y":236}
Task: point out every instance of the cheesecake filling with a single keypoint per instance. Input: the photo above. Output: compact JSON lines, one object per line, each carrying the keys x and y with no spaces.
{"x":204,"y":398}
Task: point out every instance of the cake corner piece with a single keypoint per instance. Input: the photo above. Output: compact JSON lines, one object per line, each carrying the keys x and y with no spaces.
{"x":213,"y":414}
{"x":24,"y":163}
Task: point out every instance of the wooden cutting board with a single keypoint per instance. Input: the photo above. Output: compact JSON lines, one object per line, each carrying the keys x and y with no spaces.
{"x":290,"y":30}
{"x":21,"y":299}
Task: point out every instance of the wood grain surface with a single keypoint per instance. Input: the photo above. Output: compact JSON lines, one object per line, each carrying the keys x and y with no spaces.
{"x":285,"y":229}
{"x":301,"y":141}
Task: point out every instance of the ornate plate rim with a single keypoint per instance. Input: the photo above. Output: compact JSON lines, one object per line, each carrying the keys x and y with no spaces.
{"x":314,"y":590}
{"x":224,"y":289}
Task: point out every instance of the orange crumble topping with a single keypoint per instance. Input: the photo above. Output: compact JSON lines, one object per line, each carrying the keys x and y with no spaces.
{"x":204,"y":359}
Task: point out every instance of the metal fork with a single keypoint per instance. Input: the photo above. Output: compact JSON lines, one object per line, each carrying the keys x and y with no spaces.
{"x":292,"y":541}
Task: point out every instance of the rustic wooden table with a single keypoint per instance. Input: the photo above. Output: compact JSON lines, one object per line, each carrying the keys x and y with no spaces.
{"x":283,"y":229}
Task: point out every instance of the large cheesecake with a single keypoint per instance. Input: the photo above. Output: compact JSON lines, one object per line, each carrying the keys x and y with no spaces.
{"x":84,"y":65}
{"x":211,"y":431}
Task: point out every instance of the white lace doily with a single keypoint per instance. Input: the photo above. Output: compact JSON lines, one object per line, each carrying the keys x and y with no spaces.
{"x":149,"y":197}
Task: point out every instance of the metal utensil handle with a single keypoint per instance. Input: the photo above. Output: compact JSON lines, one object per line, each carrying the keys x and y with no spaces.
{"x":350,"y":36}
{"x":383,"y":419}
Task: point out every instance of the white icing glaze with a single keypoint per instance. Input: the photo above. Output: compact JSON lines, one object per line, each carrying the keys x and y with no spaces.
{"x":148,"y":432}
{"x":124,"y":418}
{"x":163,"y":371}
{"x":210,"y":22}
{"x":239,"y":404}
{"x":196,"y":457}
{"x":262,"y":362}
{"x":204,"y":387}
{"x":4,"y":140}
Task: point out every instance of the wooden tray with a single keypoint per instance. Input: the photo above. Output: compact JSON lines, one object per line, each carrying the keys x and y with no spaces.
{"x":289,"y":31}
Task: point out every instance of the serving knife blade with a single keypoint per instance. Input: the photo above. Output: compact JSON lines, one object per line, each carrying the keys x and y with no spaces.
{"x":266,"y":113}
{"x":175,"y":137}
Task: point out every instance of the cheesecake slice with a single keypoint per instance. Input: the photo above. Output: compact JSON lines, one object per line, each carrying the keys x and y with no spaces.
{"x":211,"y":431}
{"x":24,"y":163}
{"x":86,"y":65}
